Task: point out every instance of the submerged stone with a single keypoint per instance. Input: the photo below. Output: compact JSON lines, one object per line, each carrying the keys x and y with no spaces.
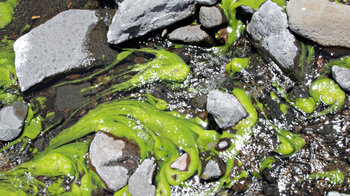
{"x":213,"y":166}
{"x":114,"y":159}
{"x":139,"y":17}
{"x":321,"y":21}
{"x":193,"y":35}
{"x":11,"y":120}
{"x":140,"y":183}
{"x":54,"y":47}
{"x":70,"y":97}
{"x":342,"y":76}
{"x":212,"y":17}
{"x":225,"y":108}
{"x":269,"y":32}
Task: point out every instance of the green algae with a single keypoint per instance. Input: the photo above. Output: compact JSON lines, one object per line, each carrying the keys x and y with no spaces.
{"x":334,"y":177}
{"x":266,"y":163}
{"x":307,"y":54}
{"x":6,"y":12}
{"x":307,"y":105}
{"x":290,"y":143}
{"x":284,"y":108}
{"x":65,"y":161}
{"x":235,"y":26}
{"x":237,"y":65}
{"x":325,"y":90}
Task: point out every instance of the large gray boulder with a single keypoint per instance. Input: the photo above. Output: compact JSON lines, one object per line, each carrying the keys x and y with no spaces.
{"x":193,"y":35}
{"x":225,"y":108}
{"x":321,"y":21}
{"x":135,"y":18}
{"x":54,"y":47}
{"x":113,"y":159}
{"x":11,"y":120}
{"x":268,"y":30}
{"x":342,"y":76}
{"x":140,"y":183}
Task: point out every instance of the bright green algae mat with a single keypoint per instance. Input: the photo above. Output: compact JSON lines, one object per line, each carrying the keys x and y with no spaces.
{"x":6,"y":12}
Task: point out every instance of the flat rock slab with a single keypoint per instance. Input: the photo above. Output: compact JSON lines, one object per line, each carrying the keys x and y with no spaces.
{"x":342,"y":76}
{"x":54,"y":47}
{"x":225,"y":108}
{"x":268,"y":31}
{"x":113,"y":159}
{"x":70,"y":97}
{"x":193,"y":35}
{"x":135,"y":18}
{"x":324,"y":22}
{"x":140,"y":183}
{"x":11,"y":120}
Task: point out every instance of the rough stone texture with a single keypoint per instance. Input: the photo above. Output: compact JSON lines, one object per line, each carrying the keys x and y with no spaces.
{"x":213,"y":166}
{"x":212,"y":17}
{"x":138,"y":17}
{"x":114,"y":159}
{"x":140,"y":183}
{"x":333,"y":193}
{"x":206,"y":2}
{"x":268,"y":30}
{"x":321,"y":21}
{"x":70,"y":97}
{"x":54,"y":47}
{"x":225,"y":108}
{"x":182,"y":162}
{"x":191,"y":35}
{"x":11,"y":120}
{"x":342,"y":77}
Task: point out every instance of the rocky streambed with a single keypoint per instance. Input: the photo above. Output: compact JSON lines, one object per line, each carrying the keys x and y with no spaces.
{"x":185,"y":97}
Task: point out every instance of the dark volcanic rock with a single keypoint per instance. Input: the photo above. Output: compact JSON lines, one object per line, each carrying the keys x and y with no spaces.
{"x":193,"y":35}
{"x":138,"y":17}
{"x":54,"y":47}
{"x":11,"y":120}
{"x":268,"y":30}
{"x":321,"y":21}
{"x":70,"y":97}
{"x":140,"y":183}
{"x":225,"y":108}
{"x":212,"y":17}
{"x":114,"y":159}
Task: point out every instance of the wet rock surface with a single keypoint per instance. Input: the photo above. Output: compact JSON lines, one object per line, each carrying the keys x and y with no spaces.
{"x":244,"y":13}
{"x":342,"y":77}
{"x":321,"y":21}
{"x":113,"y":159}
{"x":140,"y":183}
{"x":194,"y":35}
{"x":70,"y":97}
{"x":225,"y":108}
{"x":11,"y":120}
{"x":206,"y":2}
{"x":54,"y":47}
{"x":134,"y":21}
{"x":268,"y":29}
{"x":213,"y":167}
{"x":211,"y":17}
{"x":182,"y":162}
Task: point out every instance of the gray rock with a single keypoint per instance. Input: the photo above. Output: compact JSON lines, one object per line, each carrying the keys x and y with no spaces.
{"x":11,"y":120}
{"x":54,"y":47}
{"x":321,"y":21}
{"x":213,"y":166}
{"x":212,"y":17}
{"x":244,"y":13}
{"x":70,"y":97}
{"x":333,"y":193}
{"x":191,"y":35}
{"x":138,"y":17}
{"x":225,"y":108}
{"x":342,"y":77}
{"x":206,"y":2}
{"x":140,"y":183}
{"x":113,"y":159}
{"x":268,"y":30}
